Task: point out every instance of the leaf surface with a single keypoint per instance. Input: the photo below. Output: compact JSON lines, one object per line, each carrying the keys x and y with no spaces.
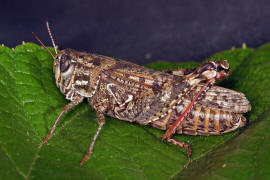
{"x":30,"y":103}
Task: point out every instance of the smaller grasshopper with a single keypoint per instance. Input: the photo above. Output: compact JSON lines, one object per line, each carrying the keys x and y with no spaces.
{"x":182,"y":101}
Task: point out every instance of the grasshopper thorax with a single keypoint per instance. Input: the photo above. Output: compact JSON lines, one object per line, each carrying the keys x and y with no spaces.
{"x":78,"y":73}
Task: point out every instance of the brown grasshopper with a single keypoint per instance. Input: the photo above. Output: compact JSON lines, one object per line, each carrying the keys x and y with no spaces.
{"x":182,"y":101}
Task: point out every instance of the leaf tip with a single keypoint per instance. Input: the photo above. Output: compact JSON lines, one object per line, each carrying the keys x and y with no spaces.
{"x":244,"y":46}
{"x":148,"y":55}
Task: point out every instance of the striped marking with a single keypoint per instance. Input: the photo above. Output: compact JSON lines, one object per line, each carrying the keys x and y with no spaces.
{"x":206,"y":120}
{"x":216,"y":120}
{"x":196,"y":118}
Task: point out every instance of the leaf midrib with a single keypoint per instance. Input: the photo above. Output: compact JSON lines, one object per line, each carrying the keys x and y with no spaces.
{"x":57,"y":131}
{"x":11,"y":160}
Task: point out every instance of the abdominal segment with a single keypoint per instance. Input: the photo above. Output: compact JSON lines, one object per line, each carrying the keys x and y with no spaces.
{"x":203,"y":121}
{"x":206,"y":121}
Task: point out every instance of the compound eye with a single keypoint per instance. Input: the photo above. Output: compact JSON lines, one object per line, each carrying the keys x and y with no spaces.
{"x":219,"y":68}
{"x":64,"y":62}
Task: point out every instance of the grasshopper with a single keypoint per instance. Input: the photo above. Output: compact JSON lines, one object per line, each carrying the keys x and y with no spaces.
{"x":183,"y":101}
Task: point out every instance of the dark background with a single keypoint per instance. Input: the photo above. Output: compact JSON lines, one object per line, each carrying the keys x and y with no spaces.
{"x":139,"y":30}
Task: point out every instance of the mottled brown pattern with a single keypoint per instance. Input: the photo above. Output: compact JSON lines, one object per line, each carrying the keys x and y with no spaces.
{"x":182,"y":101}
{"x":134,"y":93}
{"x":138,"y":94}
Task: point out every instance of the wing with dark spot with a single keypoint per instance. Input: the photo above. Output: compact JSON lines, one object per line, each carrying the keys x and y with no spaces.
{"x":219,"y":97}
{"x":138,"y":77}
{"x":137,"y":93}
{"x":225,"y":99}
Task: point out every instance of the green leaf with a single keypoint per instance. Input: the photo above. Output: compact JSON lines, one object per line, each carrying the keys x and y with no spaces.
{"x":30,"y":103}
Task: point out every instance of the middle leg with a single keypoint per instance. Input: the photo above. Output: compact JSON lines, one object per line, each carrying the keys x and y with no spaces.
{"x":101,"y":122}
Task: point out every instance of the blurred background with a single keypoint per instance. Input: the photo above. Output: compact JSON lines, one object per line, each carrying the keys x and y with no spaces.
{"x":141,"y":31}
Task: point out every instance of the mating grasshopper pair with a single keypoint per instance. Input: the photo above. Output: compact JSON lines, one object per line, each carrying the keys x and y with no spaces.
{"x":183,"y":101}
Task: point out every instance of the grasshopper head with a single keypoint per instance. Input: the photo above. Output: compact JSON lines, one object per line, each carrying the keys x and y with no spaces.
{"x":63,"y":65}
{"x":63,"y":69}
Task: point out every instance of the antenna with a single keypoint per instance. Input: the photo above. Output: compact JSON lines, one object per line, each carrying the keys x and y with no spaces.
{"x":41,"y":43}
{"x":50,"y":33}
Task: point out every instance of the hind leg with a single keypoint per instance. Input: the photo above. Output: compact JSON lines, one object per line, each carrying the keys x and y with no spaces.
{"x":182,"y":145}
